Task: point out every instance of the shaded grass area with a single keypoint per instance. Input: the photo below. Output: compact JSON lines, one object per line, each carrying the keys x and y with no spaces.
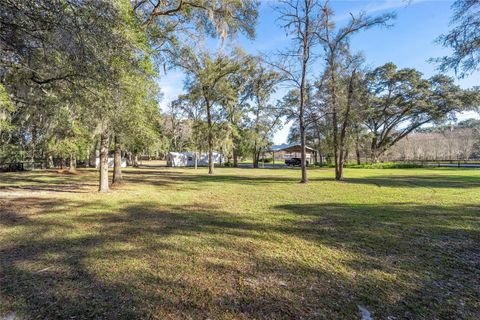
{"x":243,"y":244}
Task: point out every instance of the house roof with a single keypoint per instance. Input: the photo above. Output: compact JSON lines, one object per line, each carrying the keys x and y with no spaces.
{"x":292,"y":147}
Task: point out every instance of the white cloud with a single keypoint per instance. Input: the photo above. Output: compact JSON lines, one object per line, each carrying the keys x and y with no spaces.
{"x":377,"y":6}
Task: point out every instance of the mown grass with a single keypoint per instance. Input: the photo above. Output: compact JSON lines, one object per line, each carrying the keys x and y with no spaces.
{"x":242,"y":244}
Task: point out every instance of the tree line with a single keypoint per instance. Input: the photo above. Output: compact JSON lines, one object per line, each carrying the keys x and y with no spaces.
{"x":78,"y":76}
{"x":452,"y":142}
{"x":336,"y":102}
{"x":78,"y":73}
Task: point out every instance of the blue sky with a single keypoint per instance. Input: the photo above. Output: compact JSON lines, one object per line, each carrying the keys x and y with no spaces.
{"x":409,"y":43}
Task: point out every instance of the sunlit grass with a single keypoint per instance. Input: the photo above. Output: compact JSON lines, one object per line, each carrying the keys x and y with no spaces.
{"x":244,"y":243}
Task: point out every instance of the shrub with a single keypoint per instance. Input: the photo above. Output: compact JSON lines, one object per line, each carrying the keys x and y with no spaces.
{"x":385,"y":165}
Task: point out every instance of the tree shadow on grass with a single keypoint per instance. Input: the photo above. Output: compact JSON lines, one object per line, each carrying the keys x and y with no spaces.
{"x":114,"y":268}
{"x":170,"y":177}
{"x":194,"y":181}
{"x":414,"y":181}
{"x":432,"y":252}
{"x":147,"y":260}
{"x":47,"y":181}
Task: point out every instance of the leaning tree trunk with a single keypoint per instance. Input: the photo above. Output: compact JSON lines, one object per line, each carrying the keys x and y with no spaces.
{"x":117,"y":163}
{"x":103,"y":184}
{"x":376,"y":153}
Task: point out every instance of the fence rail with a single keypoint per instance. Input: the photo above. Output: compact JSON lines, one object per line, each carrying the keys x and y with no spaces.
{"x":443,"y":163}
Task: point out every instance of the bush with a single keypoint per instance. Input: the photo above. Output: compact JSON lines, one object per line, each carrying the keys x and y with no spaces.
{"x":385,"y":165}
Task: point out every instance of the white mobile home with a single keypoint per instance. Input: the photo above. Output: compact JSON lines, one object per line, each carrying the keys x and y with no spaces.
{"x":110,"y":163}
{"x":187,"y":159}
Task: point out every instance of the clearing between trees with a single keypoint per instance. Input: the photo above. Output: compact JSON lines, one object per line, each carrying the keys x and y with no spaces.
{"x":177,"y":243}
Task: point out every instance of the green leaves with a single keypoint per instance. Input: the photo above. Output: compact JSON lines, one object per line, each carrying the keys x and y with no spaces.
{"x":6,"y":108}
{"x":463,"y":38}
{"x":401,"y":101}
{"x":222,"y":18}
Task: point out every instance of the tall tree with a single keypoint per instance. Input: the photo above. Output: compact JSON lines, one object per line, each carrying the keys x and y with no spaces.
{"x":54,"y":53}
{"x":136,"y":108}
{"x":236,"y":110}
{"x":335,"y":41}
{"x":302,"y":20}
{"x":208,"y":83}
{"x":401,"y":101}
{"x":264,"y":117}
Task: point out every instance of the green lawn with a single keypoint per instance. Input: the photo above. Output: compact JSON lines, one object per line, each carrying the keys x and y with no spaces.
{"x":243,"y":244}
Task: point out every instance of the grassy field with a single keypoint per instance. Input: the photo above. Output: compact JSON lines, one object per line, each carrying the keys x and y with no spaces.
{"x":243,"y":244}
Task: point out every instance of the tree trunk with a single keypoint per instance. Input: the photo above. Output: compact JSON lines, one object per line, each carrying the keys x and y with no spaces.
{"x":305,"y":58}
{"x":320,"y":156}
{"x":129,"y":159}
{"x":357,"y":145}
{"x":235,"y":158}
{"x":210,"y":160}
{"x":256,"y":157}
{"x":103,"y":185}
{"x":304,"y":153}
{"x":196,"y":160}
{"x":210,"y":140}
{"x":117,"y":162}
{"x":87,"y":162}
{"x":335,"y":136}
{"x":135,"y":160}
{"x":50,"y":162}
{"x":339,"y":166}
{"x":342,"y":153}
{"x":374,"y":156}
{"x":374,"y":153}
{"x":73,"y":164}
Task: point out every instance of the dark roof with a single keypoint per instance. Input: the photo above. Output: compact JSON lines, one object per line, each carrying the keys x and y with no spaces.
{"x":292,"y":147}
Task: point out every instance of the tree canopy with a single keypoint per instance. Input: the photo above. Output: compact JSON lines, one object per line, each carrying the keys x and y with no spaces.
{"x":463,"y":39}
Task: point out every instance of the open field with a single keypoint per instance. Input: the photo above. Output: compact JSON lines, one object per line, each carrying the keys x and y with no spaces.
{"x":243,"y":244}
